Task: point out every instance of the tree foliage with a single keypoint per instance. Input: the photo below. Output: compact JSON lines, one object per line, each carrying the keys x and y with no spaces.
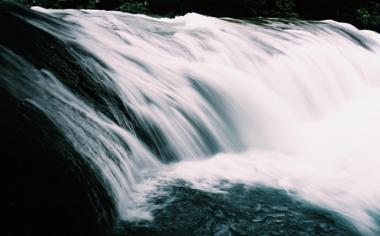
{"x":134,"y":7}
{"x":363,"y":13}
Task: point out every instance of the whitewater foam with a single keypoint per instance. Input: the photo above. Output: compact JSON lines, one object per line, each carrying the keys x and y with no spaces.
{"x":291,"y":105}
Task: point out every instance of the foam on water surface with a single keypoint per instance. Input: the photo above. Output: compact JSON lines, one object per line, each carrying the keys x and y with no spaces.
{"x":292,"y":105}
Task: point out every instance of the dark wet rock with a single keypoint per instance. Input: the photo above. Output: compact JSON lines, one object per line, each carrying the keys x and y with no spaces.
{"x":240,"y":210}
{"x":46,"y":187}
{"x":79,"y":70}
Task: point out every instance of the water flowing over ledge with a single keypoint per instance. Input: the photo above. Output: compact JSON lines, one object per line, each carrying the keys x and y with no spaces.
{"x":208,"y":103}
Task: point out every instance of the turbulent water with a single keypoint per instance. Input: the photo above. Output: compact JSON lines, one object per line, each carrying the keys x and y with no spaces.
{"x":219,"y":126}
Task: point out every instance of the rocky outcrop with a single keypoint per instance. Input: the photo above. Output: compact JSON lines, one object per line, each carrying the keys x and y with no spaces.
{"x":47,"y":188}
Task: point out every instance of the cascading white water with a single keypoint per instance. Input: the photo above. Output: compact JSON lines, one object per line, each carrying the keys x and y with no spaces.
{"x":291,"y":105}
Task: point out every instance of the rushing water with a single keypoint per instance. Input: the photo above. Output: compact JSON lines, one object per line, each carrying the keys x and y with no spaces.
{"x":230,"y":112}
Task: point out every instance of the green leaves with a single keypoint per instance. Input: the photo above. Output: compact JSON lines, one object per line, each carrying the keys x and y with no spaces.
{"x":362,"y":13}
{"x":134,"y":7}
{"x":368,"y":16}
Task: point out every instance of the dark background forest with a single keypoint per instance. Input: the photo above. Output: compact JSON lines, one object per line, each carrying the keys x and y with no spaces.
{"x":361,"y":13}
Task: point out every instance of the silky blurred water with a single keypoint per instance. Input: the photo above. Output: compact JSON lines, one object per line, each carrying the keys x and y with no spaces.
{"x":218,"y":103}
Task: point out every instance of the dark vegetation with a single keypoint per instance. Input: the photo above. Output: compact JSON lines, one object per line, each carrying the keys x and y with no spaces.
{"x":362,"y":13}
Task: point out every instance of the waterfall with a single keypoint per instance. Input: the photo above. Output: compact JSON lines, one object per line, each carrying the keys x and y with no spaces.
{"x":292,"y":105}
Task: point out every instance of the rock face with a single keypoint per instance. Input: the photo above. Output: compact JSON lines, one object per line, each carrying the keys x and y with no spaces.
{"x":238,"y":210}
{"x":46,"y":188}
